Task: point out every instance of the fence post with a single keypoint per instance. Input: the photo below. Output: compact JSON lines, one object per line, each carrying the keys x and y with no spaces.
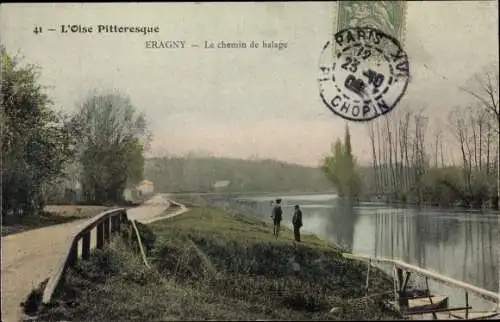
{"x":106,"y":229}
{"x":130,"y":231}
{"x":368,"y":277}
{"x":398,"y":277}
{"x":466,"y":305}
{"x":100,"y":235}
{"x":124,"y":216}
{"x":86,"y":246}
{"x":118,"y":220}
{"x":115,"y":223}
{"x":73,"y":254}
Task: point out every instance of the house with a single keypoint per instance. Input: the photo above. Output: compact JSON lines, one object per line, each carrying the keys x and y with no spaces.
{"x":221,"y":184}
{"x":146,"y":187}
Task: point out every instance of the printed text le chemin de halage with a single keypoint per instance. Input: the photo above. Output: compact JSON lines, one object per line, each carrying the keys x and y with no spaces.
{"x":156,"y":43}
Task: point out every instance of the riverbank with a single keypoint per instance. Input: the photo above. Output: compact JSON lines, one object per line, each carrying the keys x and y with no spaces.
{"x":489,"y":205}
{"x":207,"y":199}
{"x":209,"y":264}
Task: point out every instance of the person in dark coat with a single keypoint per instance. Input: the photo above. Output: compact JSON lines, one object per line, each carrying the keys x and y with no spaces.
{"x":277,"y":215}
{"x":297,"y":222}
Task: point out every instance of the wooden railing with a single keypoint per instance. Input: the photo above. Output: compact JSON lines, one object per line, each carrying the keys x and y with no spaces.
{"x":488,"y":295}
{"x":400,"y":282}
{"x":105,"y":224}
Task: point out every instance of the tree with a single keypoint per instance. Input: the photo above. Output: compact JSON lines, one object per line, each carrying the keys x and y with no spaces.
{"x":135,"y":161}
{"x":35,"y":141}
{"x":409,"y":168}
{"x":113,"y":136}
{"x":340,"y":168}
{"x":332,"y":165}
{"x":484,"y":89}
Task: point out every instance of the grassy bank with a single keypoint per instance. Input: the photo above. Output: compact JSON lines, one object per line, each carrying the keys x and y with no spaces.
{"x":52,"y":215}
{"x":208,"y":264}
{"x":58,"y":214}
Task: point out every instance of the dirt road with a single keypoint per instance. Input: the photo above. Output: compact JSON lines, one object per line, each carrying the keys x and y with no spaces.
{"x":30,"y":257}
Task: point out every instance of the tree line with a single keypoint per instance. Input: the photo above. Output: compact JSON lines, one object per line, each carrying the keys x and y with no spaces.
{"x":411,"y":162}
{"x":44,"y":151}
{"x":198,"y":173}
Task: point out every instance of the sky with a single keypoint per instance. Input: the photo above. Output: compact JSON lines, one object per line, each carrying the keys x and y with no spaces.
{"x":236,"y":102}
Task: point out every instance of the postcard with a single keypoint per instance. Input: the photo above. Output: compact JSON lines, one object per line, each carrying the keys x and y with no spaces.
{"x":250,"y":160}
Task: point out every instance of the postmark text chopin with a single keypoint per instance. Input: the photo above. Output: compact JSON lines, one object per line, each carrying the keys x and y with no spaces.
{"x":364,"y":75}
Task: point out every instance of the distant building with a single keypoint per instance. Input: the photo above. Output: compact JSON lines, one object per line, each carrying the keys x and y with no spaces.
{"x":127,"y":194}
{"x":146,"y":187}
{"x":221,"y":184}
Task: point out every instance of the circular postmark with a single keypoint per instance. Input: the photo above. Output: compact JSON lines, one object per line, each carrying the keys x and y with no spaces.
{"x":363,"y":73}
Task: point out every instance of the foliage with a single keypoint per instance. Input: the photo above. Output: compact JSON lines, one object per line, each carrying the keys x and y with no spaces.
{"x":112,"y":139}
{"x":199,"y":173}
{"x":410,"y":165}
{"x":439,"y":186}
{"x":36,"y":141}
{"x":135,"y":160}
{"x":340,"y":168}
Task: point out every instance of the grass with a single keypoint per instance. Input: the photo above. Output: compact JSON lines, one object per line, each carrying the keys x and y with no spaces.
{"x":57,"y":214}
{"x":209,"y":265}
{"x":52,"y":215}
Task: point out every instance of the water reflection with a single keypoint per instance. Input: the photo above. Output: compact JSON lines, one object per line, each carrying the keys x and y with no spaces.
{"x":461,"y":245}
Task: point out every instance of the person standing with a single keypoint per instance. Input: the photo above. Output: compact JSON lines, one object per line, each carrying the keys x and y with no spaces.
{"x":277,"y":215}
{"x":297,"y":222}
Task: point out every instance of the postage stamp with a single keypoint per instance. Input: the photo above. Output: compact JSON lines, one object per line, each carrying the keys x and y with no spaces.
{"x":366,"y":76}
{"x":386,"y":16}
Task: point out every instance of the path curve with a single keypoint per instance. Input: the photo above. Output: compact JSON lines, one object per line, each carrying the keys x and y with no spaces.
{"x":30,"y":257}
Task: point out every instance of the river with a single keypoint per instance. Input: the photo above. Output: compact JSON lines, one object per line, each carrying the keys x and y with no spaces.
{"x":459,"y":244}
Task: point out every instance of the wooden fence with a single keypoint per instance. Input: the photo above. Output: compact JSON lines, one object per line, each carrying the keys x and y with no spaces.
{"x":105,"y":224}
{"x":400,"y":283}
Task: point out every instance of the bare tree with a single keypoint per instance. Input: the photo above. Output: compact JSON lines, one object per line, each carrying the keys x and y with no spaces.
{"x":389,"y":151}
{"x":405,"y":130}
{"x":437,"y":139}
{"x":484,"y":89}
{"x":381,"y":160}
{"x":459,"y":129}
{"x":419,"y":149}
{"x":371,"y":134}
